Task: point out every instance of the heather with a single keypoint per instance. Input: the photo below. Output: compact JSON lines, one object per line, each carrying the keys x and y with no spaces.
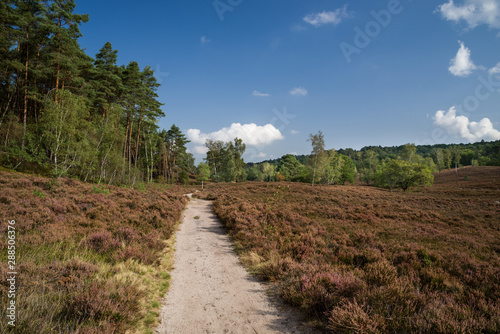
{"x":90,"y":258}
{"x":368,"y":260}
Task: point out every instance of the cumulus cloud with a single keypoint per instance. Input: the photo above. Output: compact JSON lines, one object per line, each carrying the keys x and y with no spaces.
{"x":324,"y":17}
{"x":298,"y":27}
{"x":205,"y":40}
{"x":200,"y":149}
{"x":473,"y":12}
{"x":462,"y":65}
{"x":259,"y":94}
{"x":461,"y":126}
{"x":298,"y":91}
{"x":251,"y":134}
{"x":495,"y":69}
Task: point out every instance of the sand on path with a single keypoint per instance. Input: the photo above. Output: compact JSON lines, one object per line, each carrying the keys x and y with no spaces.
{"x":210,"y":291}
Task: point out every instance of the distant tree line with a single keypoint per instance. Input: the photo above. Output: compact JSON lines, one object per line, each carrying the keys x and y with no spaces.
{"x":402,"y":167}
{"x":65,"y":113}
{"x":322,"y":166}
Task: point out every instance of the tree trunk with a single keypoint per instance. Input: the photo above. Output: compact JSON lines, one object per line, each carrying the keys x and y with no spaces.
{"x":58,"y":63}
{"x":126,"y":136}
{"x":129,"y":149}
{"x":138,"y":140}
{"x":25,"y":111}
{"x":314,"y":170}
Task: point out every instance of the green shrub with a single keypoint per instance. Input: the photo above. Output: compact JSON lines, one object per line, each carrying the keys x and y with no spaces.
{"x":39,"y":193}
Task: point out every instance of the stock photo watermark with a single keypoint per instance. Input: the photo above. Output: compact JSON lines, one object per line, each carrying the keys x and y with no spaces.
{"x":363,"y":37}
{"x":281,"y":120}
{"x":160,"y":75}
{"x":485,"y":89}
{"x":12,"y":273}
{"x":224,"y":6}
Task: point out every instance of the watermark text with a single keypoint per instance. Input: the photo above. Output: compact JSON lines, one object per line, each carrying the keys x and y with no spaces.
{"x":11,"y":274}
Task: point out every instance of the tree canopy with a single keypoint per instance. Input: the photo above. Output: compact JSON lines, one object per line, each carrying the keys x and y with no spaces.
{"x":403,"y":174}
{"x":64,"y":113}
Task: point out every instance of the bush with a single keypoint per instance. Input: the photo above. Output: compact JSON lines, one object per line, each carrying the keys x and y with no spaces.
{"x":403,"y":174}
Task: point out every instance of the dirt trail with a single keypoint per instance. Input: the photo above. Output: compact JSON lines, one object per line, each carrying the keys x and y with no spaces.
{"x":211,"y":292}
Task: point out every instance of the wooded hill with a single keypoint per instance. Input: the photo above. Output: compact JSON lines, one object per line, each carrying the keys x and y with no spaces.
{"x":485,"y":153}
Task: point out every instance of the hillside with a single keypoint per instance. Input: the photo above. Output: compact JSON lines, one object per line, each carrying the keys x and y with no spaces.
{"x":370,"y":260}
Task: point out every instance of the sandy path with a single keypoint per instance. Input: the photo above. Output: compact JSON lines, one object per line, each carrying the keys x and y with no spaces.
{"x":210,"y":291}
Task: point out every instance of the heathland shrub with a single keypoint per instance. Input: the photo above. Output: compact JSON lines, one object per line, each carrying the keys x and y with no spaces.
{"x":78,"y":248}
{"x":102,"y":242}
{"x":366,"y":260}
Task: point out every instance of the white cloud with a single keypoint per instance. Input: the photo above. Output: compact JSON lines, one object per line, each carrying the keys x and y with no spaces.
{"x":495,"y":69}
{"x":251,"y":134}
{"x":294,"y":132}
{"x":462,"y":65}
{"x":259,"y":94}
{"x":200,"y":149}
{"x":205,"y":40}
{"x":334,"y":17}
{"x":298,"y":91}
{"x":474,"y":12}
{"x":298,"y":27}
{"x":460,"y":126}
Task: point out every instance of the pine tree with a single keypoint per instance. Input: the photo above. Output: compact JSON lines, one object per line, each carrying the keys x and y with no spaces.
{"x":176,"y":147}
{"x":106,"y":80}
{"x":65,"y":53}
{"x":28,"y":21}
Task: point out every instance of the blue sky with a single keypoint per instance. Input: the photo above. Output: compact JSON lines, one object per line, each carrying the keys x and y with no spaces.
{"x":378,"y":72}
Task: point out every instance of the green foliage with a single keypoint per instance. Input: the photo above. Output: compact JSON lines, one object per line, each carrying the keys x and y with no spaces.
{"x":225,"y":160}
{"x":254,"y":173}
{"x":39,"y":193}
{"x":339,"y":169}
{"x":368,"y":165}
{"x":319,"y":155}
{"x":71,"y":115}
{"x":184,"y":177}
{"x":268,"y":172}
{"x":438,"y":156}
{"x":203,"y":173}
{"x":140,"y":187}
{"x":348,"y":170}
{"x":403,"y":174}
{"x":290,"y":168}
{"x":68,"y":134}
{"x":174,"y":152}
{"x":408,"y":152}
{"x":100,"y":190}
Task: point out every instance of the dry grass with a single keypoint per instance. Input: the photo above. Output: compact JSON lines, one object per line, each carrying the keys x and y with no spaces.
{"x":367,"y":260}
{"x":90,"y":259}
